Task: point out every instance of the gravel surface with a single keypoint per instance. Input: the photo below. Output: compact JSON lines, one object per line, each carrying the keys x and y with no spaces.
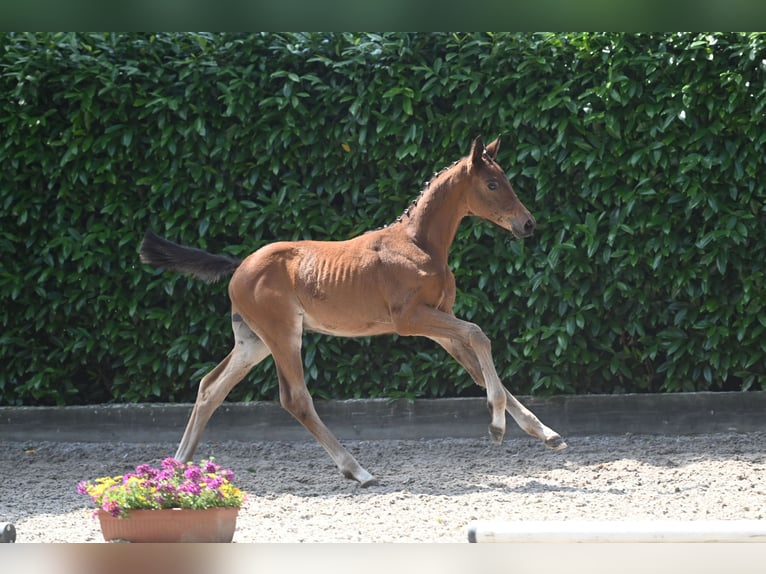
{"x":428,"y":491}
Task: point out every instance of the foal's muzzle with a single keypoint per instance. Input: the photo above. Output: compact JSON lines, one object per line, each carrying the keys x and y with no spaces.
{"x":525,"y":228}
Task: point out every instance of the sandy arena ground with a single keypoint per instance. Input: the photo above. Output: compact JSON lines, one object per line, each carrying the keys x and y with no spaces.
{"x":428,"y":491}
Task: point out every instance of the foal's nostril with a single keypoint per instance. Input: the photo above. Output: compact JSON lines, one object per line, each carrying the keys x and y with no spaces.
{"x":529,"y":225}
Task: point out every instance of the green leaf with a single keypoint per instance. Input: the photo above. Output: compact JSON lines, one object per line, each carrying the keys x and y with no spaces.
{"x":642,"y":174}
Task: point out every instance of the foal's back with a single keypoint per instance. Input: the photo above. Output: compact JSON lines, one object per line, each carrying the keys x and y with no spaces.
{"x":347,"y":288}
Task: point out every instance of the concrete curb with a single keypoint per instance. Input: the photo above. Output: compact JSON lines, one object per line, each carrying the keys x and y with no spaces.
{"x":380,"y":419}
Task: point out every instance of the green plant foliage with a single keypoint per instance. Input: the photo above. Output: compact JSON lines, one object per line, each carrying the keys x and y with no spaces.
{"x":641,"y":156}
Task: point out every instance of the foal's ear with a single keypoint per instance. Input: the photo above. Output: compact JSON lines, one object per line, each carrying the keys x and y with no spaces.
{"x":477,"y":151}
{"x":493,"y":148}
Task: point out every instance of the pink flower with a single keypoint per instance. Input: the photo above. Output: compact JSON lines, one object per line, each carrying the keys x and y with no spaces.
{"x":190,"y":488}
{"x":164,"y":475}
{"x":173,"y":485}
{"x":146,"y":471}
{"x":166,"y":488}
{"x":193,"y":473}
{"x":112,"y":507}
{"x":214,"y":483}
{"x":172,"y":464}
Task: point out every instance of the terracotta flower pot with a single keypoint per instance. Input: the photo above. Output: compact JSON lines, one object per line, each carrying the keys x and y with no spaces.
{"x":171,"y":525}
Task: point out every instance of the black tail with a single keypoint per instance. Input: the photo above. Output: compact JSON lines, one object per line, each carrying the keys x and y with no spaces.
{"x":161,"y":252}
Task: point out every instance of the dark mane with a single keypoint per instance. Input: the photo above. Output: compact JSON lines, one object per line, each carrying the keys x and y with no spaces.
{"x":414,"y":202}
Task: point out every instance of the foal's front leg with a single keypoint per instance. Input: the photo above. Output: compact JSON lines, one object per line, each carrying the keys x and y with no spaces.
{"x":430,"y":322}
{"x":472,"y":349}
{"x":525,"y":418}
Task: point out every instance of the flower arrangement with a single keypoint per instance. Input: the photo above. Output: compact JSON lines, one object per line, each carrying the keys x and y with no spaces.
{"x":174,"y":485}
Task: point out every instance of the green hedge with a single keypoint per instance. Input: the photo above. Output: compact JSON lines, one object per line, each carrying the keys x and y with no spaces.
{"x":641,"y":157}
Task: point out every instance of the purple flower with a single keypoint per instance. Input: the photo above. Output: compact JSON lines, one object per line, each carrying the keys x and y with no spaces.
{"x":193,"y":473}
{"x":112,"y":507}
{"x":172,"y":464}
{"x":166,"y":488}
{"x":164,"y":475}
{"x":146,"y":471}
{"x":191,"y":488}
{"x":174,"y":485}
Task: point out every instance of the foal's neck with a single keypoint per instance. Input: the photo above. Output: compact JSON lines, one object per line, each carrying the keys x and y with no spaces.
{"x":433,"y":220}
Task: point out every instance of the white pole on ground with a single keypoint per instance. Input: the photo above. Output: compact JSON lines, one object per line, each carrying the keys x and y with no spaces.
{"x":618,"y":531}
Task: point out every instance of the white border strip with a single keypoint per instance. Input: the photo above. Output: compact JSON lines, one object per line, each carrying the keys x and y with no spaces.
{"x":610,"y":531}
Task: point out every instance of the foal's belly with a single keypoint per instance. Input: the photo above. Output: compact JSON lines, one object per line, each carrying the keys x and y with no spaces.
{"x":347,"y":325}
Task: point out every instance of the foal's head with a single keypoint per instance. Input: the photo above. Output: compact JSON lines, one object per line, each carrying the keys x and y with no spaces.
{"x":491,"y":196}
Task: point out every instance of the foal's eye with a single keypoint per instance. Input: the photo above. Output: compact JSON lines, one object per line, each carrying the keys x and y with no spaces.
{"x":492,"y":185}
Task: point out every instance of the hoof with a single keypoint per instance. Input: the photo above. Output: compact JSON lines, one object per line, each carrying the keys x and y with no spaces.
{"x":556,"y":443}
{"x":372,"y":481}
{"x":496,"y":434}
{"x":7,"y":532}
{"x":363,"y":477}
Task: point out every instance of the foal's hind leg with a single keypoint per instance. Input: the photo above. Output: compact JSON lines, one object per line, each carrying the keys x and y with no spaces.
{"x":528,"y":422}
{"x":248,"y":351}
{"x":295,"y":398}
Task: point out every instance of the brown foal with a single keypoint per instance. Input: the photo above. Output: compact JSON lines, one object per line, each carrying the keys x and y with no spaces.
{"x":392,"y":280}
